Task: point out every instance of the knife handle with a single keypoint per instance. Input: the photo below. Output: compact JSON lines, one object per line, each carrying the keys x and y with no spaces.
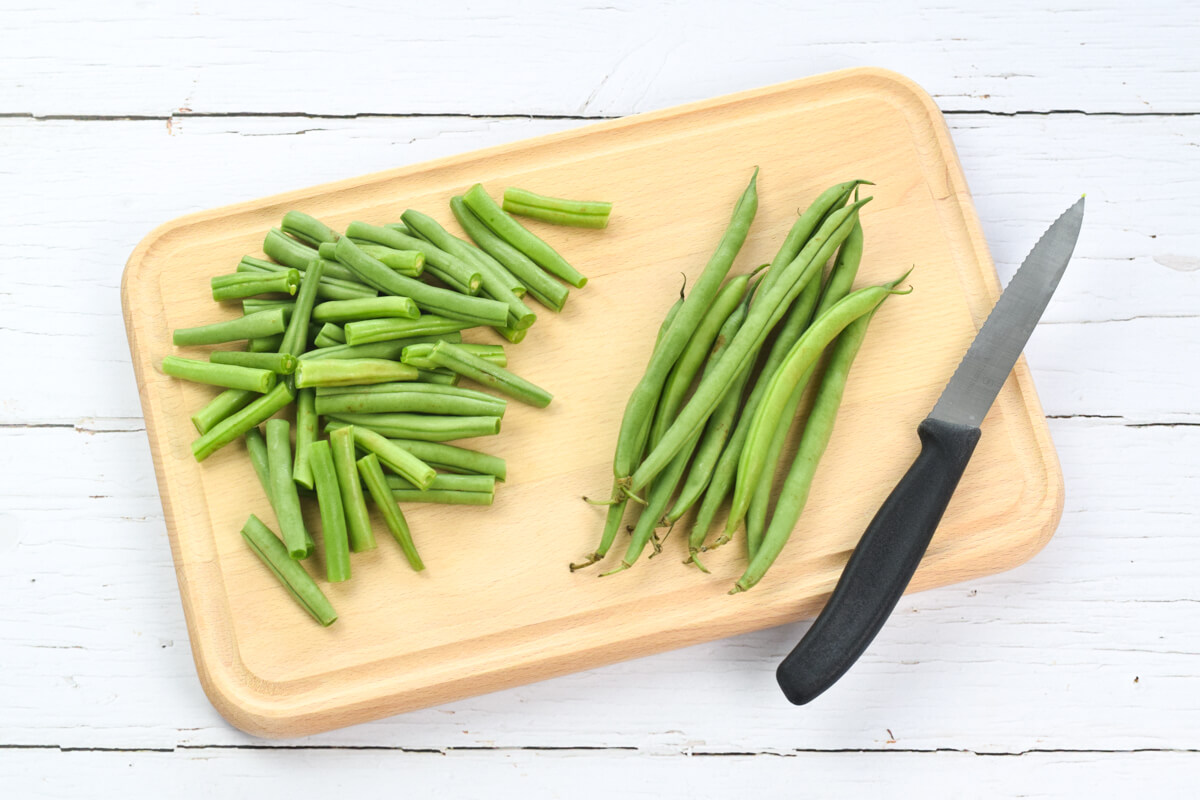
{"x":882,"y":564}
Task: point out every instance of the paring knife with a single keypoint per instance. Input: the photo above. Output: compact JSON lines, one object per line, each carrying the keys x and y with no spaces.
{"x":892,"y":546}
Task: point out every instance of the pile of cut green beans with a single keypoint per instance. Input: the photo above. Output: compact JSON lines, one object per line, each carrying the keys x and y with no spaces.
{"x":708,"y":421}
{"x":364,"y":328}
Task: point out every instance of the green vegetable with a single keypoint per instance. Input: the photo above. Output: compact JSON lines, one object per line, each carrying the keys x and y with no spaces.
{"x":453,"y":357}
{"x":352,"y":372}
{"x":439,"y":263}
{"x":511,"y":231}
{"x":283,"y":489}
{"x":295,"y":579}
{"x":372,"y":475}
{"x":248,"y":284}
{"x":584,"y":213}
{"x":396,"y":458}
{"x":425,"y":427}
{"x":556,"y":217}
{"x":295,"y":337}
{"x":236,"y":424}
{"x":451,"y":483}
{"x":381,"y":330}
{"x":309,"y":230}
{"x":251,"y":326}
{"x":333,"y":519}
{"x":392,"y":349}
{"x":265,"y":344}
{"x":256,"y":446}
{"x":340,"y":284}
{"x":367,"y":308}
{"x":453,"y":458}
{"x":443,"y":496}
{"x":411,"y":402}
{"x":329,"y":335}
{"x":306,"y":434}
{"x":227,"y":375}
{"x":358,"y":521}
{"x":288,"y":251}
{"x":221,"y":406}
{"x":406,"y":262}
{"x":279,"y":363}
{"x":418,"y":355}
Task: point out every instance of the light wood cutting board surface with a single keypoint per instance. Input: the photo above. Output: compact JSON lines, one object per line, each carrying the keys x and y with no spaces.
{"x":497,"y":606}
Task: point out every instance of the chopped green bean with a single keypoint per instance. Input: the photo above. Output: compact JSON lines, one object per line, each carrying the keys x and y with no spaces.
{"x":521,"y":197}
{"x":439,"y":376}
{"x":256,"y":446}
{"x":362,"y":537}
{"x":328,"y":288}
{"x":279,"y":363}
{"x":396,"y":458}
{"x":453,"y":357}
{"x":283,"y":488}
{"x":309,"y":230}
{"x":418,"y":354}
{"x":406,"y":262}
{"x":391,"y":349}
{"x":408,"y":387}
{"x":252,"y":305}
{"x":556,"y":217}
{"x":227,"y":375}
{"x":239,"y":285}
{"x":288,"y":251}
{"x":450,"y":482}
{"x":410,"y":402}
{"x":333,"y":517}
{"x":331,"y":270}
{"x":291,"y":574}
{"x":511,"y":231}
{"x":381,"y":330}
{"x":306,"y":434}
{"x":251,"y":326}
{"x":236,"y":424}
{"x":220,"y":407}
{"x":425,"y":427}
{"x":329,"y":335}
{"x":438,"y":262}
{"x":295,"y":337}
{"x":369,"y":308}
{"x":443,"y":496}
{"x":372,"y":475}
{"x":454,"y":458}
{"x":264,"y":344}
{"x":352,"y":372}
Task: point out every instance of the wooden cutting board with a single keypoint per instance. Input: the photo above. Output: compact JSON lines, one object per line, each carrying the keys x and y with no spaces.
{"x":497,"y":606}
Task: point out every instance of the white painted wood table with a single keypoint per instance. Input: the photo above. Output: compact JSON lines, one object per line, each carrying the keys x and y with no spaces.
{"x":1074,"y":674}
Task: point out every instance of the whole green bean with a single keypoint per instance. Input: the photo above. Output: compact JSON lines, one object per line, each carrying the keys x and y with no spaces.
{"x":541,"y":286}
{"x":763,"y":316}
{"x":452,"y":356}
{"x":288,"y":251}
{"x":411,"y":402}
{"x":817,"y":432}
{"x":392,"y":349}
{"x":236,"y":424}
{"x":251,"y":326}
{"x":296,"y":335}
{"x":477,"y":310}
{"x":228,"y":375}
{"x":352,"y":372}
{"x":588,"y":208}
{"x":362,"y":537}
{"x":368,"y":308}
{"x":381,"y":330}
{"x":443,"y":496}
{"x":283,"y":488}
{"x":454,"y":458}
{"x":511,"y":231}
{"x":417,"y":355}
{"x":425,"y":427}
{"x":306,"y":434}
{"x":220,"y":407}
{"x":333,"y":518}
{"x":279,"y":363}
{"x":239,"y":285}
{"x":372,"y":475}
{"x":396,"y":458}
{"x":406,"y":262}
{"x":307,"y":229}
{"x":291,"y":574}
{"x":437,"y":260}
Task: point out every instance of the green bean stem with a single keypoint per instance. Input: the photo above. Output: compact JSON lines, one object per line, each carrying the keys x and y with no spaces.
{"x":220,"y":407}
{"x":306,"y":434}
{"x":333,"y":517}
{"x":295,"y":338}
{"x":417,"y":355}
{"x":511,"y":231}
{"x":589,"y":208}
{"x":290,"y":574}
{"x":228,"y":375}
{"x":367,"y":308}
{"x":817,"y":432}
{"x":236,"y":424}
{"x":425,"y":427}
{"x":372,"y":475}
{"x":239,"y":285}
{"x":396,"y":458}
{"x":307,"y":229}
{"x":452,"y":356}
{"x":545,"y":289}
{"x":283,"y":488}
{"x":279,"y":363}
{"x":410,"y":402}
{"x":381,"y":330}
{"x":352,"y":372}
{"x":454,"y":458}
{"x":391,"y":349}
{"x":443,"y":496}
{"x":362,"y":537}
{"x":436,"y":259}
{"x":251,"y":326}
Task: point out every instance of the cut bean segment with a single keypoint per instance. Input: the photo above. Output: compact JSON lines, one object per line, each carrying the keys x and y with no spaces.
{"x":358,"y":522}
{"x":367,"y":308}
{"x":239,"y":285}
{"x":443,"y":496}
{"x":290,"y":574}
{"x":453,"y":357}
{"x":523,"y":198}
{"x":228,"y":375}
{"x":409,"y":402}
{"x":221,"y":406}
{"x":306,"y":434}
{"x":381,"y":330}
{"x":454,"y":458}
{"x":395,"y":458}
{"x":333,"y":518}
{"x":295,"y":338}
{"x":251,"y":326}
{"x":352,"y":372}
{"x":425,"y":427}
{"x":279,"y":363}
{"x":307,"y":229}
{"x":235,"y":425}
{"x":372,"y":475}
{"x":283,"y":489}
{"x":391,"y":349}
{"x":418,"y":355}
{"x":511,"y":231}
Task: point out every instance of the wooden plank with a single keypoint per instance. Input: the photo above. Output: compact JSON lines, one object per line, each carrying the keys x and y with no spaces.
{"x":572,"y":58}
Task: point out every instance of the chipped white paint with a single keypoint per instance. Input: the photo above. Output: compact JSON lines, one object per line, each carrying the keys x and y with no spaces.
{"x":1090,"y":649}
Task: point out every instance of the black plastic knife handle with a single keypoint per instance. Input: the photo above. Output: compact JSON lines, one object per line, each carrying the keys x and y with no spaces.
{"x":882,"y":564}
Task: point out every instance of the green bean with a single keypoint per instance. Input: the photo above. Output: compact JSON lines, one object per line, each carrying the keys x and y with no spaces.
{"x":251,"y":326}
{"x":283,"y":488}
{"x":227,"y":375}
{"x":329,"y":335}
{"x":817,"y":432}
{"x":586,"y":208}
{"x":295,"y":337}
{"x":477,"y":310}
{"x":264,"y":344}
{"x":406,"y":262}
{"x":236,"y":424}
{"x":306,"y":434}
{"x":512,"y":334}
{"x":437,"y":261}
{"x":372,"y":475}
{"x":450,"y":482}
{"x":279,"y":363}
{"x":556,"y":217}
{"x":497,"y":282}
{"x":442,"y":496}
{"x":763,"y":316}
{"x":454,"y":458}
{"x":838,"y":285}
{"x":288,"y":251}
{"x":417,"y":355}
{"x":425,"y":427}
{"x":440,"y":376}
{"x":511,"y":231}
{"x":452,"y":356}
{"x":381,"y":330}
{"x":252,"y":305}
{"x":830,"y":200}
{"x":362,"y":537}
{"x":392,"y":349}
{"x":328,"y":288}
{"x":333,"y":518}
{"x":394,"y":457}
{"x":407,"y":387}
{"x":332,"y":270}
{"x":309,"y":230}
{"x":220,"y":407}
{"x":256,"y":446}
{"x":541,"y":286}
{"x":369,"y":308}
{"x":248,"y":284}
{"x":352,"y":372}
{"x":410,"y":402}
{"x":291,"y":575}
{"x":398,"y":227}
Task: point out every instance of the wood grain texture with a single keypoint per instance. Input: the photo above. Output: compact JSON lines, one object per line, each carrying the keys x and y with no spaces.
{"x":273,"y":675}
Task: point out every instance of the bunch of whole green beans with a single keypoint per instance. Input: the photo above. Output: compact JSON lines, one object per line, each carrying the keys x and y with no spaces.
{"x":709,"y":418}
{"x":366,"y":329}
